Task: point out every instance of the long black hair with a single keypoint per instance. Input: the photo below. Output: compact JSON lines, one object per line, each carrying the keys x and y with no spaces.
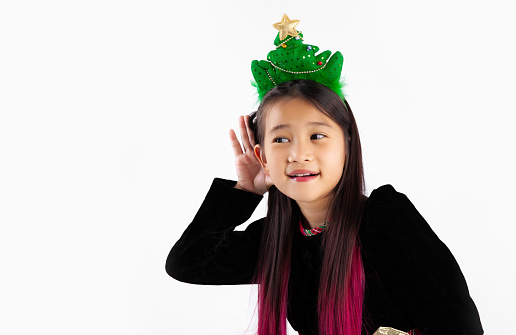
{"x":341,"y":287}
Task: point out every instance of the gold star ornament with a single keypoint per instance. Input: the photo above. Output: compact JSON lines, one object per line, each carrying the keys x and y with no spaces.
{"x":286,"y":27}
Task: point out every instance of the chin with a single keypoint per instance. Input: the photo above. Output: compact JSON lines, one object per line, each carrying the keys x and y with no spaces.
{"x":301,"y":196}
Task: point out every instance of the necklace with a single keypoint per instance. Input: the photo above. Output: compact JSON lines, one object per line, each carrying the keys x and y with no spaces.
{"x":313,"y":231}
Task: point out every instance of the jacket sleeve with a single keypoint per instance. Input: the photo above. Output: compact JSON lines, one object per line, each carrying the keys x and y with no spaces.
{"x":210,"y":252}
{"x":417,"y":267}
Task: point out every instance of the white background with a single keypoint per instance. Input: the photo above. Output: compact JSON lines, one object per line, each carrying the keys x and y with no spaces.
{"x":115,"y":118}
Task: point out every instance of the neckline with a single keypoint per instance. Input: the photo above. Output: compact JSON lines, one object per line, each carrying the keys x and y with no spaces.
{"x":313,"y":231}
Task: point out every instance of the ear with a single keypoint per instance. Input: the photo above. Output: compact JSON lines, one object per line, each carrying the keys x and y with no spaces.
{"x":258,"y":152}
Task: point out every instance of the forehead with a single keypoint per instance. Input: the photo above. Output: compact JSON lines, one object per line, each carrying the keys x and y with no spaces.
{"x":295,"y":112}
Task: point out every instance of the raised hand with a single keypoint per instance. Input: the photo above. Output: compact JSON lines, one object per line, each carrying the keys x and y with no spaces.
{"x":251,"y":176}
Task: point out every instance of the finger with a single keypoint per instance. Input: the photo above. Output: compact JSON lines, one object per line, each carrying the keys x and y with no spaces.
{"x":249,"y":131}
{"x":235,"y":144}
{"x":244,"y":134}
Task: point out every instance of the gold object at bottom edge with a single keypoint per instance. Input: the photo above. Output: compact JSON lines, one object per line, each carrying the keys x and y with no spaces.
{"x":389,"y":331}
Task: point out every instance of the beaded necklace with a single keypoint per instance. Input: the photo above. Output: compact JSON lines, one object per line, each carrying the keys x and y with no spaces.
{"x":313,"y":231}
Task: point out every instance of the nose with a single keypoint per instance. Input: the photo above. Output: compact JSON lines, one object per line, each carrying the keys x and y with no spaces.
{"x":300,"y":151}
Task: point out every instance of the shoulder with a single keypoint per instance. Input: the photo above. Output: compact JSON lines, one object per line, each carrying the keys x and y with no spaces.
{"x":415,"y":265}
{"x":384,"y":195}
{"x":389,"y":213}
{"x":386,"y":201}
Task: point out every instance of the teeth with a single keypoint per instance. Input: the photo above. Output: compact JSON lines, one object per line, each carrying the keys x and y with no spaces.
{"x":300,"y":174}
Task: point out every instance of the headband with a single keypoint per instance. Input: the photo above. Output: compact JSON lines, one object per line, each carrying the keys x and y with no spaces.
{"x":292,"y":59}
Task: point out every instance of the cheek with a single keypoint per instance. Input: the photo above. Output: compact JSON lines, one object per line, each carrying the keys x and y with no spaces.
{"x":275,"y":164}
{"x":337,"y":158}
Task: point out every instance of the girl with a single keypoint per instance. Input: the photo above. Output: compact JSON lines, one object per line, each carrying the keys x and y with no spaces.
{"x":326,"y":257}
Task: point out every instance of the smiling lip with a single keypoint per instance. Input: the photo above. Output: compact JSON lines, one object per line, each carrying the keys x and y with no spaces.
{"x":310,"y":177}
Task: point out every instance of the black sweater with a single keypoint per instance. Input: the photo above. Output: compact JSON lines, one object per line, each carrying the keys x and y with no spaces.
{"x":412,"y":279}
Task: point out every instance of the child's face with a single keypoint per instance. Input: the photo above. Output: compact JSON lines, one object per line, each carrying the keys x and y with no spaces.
{"x":299,"y":137}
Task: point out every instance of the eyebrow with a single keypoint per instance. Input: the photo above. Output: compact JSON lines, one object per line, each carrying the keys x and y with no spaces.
{"x":283,"y":126}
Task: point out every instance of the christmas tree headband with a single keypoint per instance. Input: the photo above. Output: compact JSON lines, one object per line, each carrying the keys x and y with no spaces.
{"x":292,"y":59}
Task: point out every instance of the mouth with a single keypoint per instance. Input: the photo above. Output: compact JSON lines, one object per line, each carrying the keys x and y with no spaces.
{"x":303,"y":176}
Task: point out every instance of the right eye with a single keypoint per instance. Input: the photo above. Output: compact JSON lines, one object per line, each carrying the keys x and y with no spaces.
{"x":280,"y":140}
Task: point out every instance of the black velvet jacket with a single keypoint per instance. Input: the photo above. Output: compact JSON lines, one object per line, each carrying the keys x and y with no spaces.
{"x":412,"y":279}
